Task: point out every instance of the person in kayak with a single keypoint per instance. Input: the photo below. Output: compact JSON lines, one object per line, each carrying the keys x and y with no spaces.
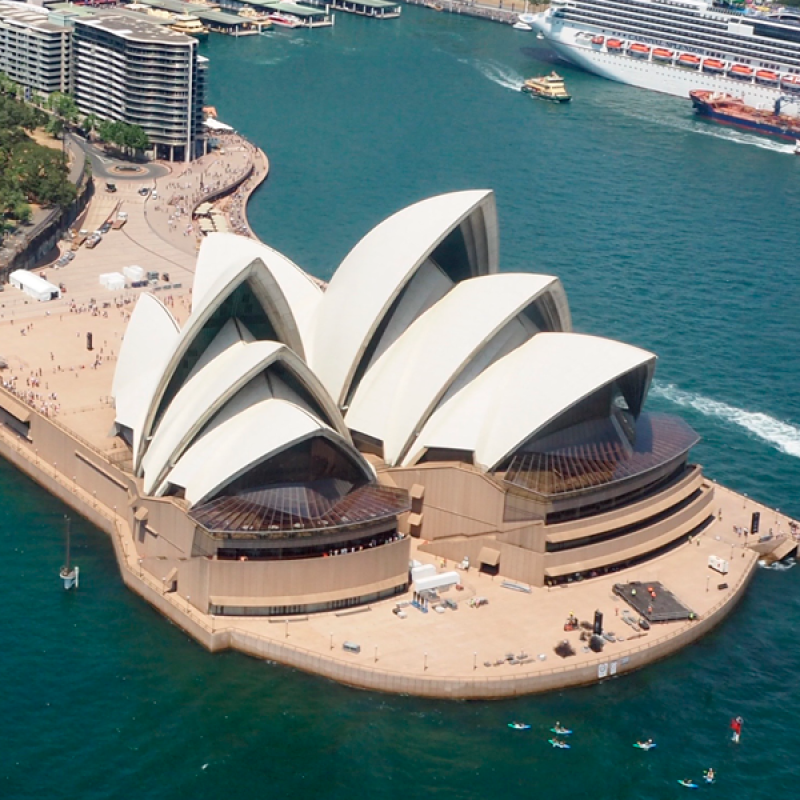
{"x":709,"y":775}
{"x":646,"y":745}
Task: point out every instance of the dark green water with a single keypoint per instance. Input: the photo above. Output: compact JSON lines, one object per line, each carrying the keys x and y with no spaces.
{"x":667,"y":233}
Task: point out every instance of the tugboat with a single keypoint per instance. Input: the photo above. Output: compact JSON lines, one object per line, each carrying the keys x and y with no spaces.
{"x":69,"y":574}
{"x":728,"y":110}
{"x":548,"y":87}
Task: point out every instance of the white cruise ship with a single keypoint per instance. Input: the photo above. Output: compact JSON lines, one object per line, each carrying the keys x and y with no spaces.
{"x":674,"y":46}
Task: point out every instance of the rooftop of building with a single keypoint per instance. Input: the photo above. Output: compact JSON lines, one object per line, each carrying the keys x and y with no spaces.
{"x":131,"y":28}
{"x":28,"y":15}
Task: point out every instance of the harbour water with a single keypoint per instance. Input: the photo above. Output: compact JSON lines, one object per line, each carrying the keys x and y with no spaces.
{"x":667,"y":232}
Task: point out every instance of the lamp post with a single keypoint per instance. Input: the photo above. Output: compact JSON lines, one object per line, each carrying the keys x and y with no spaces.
{"x":425,"y":662}
{"x":331,"y":641}
{"x":474,"y":661}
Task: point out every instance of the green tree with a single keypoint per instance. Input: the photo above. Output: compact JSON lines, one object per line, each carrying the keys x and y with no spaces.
{"x":55,"y":126}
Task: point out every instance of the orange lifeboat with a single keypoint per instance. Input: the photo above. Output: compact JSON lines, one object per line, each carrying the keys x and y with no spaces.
{"x":766,"y":76}
{"x":740,"y":71}
{"x":662,"y":54}
{"x":791,"y":82}
{"x":598,"y":40}
{"x":689,"y":60}
{"x":713,"y":65}
{"x":639,"y":50}
{"x":614,"y":44}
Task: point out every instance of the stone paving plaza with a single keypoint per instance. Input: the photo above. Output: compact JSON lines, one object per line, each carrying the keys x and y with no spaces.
{"x":50,"y":366}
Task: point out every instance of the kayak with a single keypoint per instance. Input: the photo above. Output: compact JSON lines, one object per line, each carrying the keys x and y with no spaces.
{"x":688,"y":784}
{"x":561,"y":745}
{"x":644,"y":745}
{"x":519,"y":726}
{"x":561,"y":731}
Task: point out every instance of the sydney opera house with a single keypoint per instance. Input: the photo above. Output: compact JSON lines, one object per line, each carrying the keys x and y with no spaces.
{"x":290,"y":439}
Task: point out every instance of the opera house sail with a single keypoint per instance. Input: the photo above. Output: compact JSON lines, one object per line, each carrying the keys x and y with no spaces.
{"x":292,"y":438}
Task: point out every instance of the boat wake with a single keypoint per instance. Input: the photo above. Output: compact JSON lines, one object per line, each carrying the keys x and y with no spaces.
{"x":744,"y":138}
{"x":778,"y":566}
{"x":781,"y":435}
{"x":500,"y":74}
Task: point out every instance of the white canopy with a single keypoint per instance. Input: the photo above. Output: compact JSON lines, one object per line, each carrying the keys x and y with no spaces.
{"x":34,"y":285}
{"x":247,"y":439}
{"x":522,"y":392}
{"x":208,"y":389}
{"x":446,"y":344}
{"x":375,"y":272}
{"x":149,"y":337}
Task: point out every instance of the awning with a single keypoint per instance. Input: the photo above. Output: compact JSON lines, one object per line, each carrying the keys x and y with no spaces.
{"x":489,"y":556}
{"x":304,"y":599}
{"x":203,"y":208}
{"x":216,"y":125}
{"x":17,"y":410}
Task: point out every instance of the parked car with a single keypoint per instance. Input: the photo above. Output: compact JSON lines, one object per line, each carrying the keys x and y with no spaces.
{"x":144,"y":191}
{"x":105,"y":227}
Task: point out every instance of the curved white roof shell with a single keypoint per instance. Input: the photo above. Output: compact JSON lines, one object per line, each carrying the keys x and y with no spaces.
{"x":223,"y":252}
{"x":249,"y":438}
{"x":524,"y":391}
{"x":149,"y":337}
{"x":235,"y":273}
{"x":209,"y":389}
{"x":398,"y":394}
{"x":376,"y":270}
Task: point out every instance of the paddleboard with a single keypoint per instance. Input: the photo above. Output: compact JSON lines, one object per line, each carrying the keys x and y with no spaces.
{"x":688,"y":784}
{"x":560,"y":745}
{"x":644,"y":746}
{"x":519,"y":726}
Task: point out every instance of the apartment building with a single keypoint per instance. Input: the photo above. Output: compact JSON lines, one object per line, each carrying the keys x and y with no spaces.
{"x":35,"y":51}
{"x":144,"y":74}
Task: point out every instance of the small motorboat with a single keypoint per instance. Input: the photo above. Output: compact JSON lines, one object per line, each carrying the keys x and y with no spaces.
{"x":519,"y":726}
{"x":688,"y":60}
{"x":614,"y":45}
{"x":285,"y":20}
{"x":662,"y":54}
{"x":521,"y":26}
{"x":766,"y":76}
{"x":638,"y":50}
{"x":598,"y":39}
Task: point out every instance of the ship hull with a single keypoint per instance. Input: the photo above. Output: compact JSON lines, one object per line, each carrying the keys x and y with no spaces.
{"x":778,"y":131}
{"x":657,"y":76}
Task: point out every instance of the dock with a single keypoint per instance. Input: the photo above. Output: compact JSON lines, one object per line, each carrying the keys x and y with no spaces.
{"x":218,"y":21}
{"x":376,"y":9}
{"x":308,"y":15}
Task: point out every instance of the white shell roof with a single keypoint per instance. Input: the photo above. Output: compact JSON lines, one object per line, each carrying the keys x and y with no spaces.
{"x":375,"y":271}
{"x":522,"y":392}
{"x":226,"y":252}
{"x":235,"y":272}
{"x":396,"y":396}
{"x":149,"y":338}
{"x":209,"y":389}
{"x":251,"y":437}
